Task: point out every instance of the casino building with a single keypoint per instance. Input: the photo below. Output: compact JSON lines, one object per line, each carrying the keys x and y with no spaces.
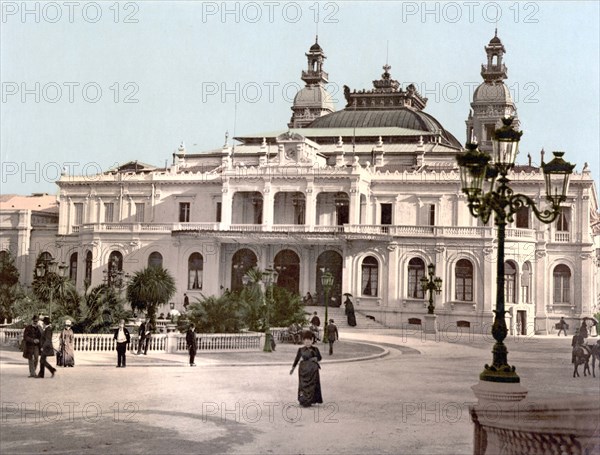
{"x":370,"y":193}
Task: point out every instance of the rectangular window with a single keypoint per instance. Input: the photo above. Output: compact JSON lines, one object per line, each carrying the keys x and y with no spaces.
{"x":386,"y":213}
{"x":523,"y":218}
{"x":78,"y":218}
{"x":219,"y":205}
{"x":140,"y":208}
{"x":109,"y":210}
{"x":184,"y":212}
{"x":562,"y":222}
{"x":489,"y":132}
{"x":432,"y":215}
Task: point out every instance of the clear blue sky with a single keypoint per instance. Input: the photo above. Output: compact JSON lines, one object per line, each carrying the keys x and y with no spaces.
{"x":185,"y":62}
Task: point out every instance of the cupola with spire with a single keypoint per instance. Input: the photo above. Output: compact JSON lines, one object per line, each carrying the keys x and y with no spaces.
{"x":491,"y":99}
{"x":313,"y":101}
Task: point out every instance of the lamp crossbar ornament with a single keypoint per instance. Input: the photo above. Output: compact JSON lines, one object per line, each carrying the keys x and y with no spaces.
{"x":477,"y":167}
{"x":431,"y":285}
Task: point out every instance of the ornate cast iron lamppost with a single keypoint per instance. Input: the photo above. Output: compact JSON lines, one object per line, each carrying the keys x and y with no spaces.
{"x":477,"y":167}
{"x":269,"y":277}
{"x":327,"y":283}
{"x":434,"y":283}
{"x":48,"y":268}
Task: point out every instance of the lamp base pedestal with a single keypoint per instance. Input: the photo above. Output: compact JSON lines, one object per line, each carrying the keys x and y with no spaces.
{"x":487,"y":392}
{"x":431,"y":325}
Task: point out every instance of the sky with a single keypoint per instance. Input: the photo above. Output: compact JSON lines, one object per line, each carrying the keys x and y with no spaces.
{"x":90,"y":85}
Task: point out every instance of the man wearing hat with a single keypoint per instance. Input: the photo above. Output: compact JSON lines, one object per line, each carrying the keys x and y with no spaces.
{"x":332,"y":335}
{"x":47,"y":349}
{"x":31,"y":351}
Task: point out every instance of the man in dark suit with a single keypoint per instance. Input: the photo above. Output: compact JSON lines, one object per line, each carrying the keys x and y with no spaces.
{"x":147,"y":335}
{"x":192,"y":343}
{"x":32,"y":336}
{"x":123,"y":338}
{"x":332,"y":335}
{"x":47,"y":349}
{"x":141,"y":337}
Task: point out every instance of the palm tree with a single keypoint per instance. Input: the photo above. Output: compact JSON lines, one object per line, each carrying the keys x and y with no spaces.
{"x":150,"y":288}
{"x":101,"y":309}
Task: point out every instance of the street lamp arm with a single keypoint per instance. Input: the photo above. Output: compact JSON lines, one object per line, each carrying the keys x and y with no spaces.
{"x":516,"y":201}
{"x":505,"y":204}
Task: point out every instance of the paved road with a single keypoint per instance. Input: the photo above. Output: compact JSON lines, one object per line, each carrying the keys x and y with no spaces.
{"x":412,"y":401}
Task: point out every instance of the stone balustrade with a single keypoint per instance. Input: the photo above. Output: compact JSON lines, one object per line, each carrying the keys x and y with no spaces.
{"x":566,"y":426}
{"x":169,"y":342}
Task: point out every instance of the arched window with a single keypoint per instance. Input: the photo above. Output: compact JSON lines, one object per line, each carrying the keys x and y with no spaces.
{"x":464,"y":280}
{"x":88,"y":268}
{"x":115,"y":264}
{"x":73,"y":268}
{"x":195,"y":268}
{"x":370,"y":276}
{"x":242,"y":261}
{"x":155,"y":259}
{"x":562,"y":284}
{"x":416,"y":271}
{"x":510,"y":282}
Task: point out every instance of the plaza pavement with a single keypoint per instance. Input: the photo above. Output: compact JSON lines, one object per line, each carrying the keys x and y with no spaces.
{"x":410,"y":397}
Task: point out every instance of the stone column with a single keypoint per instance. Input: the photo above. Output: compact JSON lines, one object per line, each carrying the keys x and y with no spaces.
{"x":268,"y":201}
{"x":354,"y":209}
{"x":226,"y":207}
{"x":311,"y":207}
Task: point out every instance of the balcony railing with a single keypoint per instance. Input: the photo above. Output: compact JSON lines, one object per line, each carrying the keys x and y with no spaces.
{"x":358,"y":229}
{"x":562,"y":236}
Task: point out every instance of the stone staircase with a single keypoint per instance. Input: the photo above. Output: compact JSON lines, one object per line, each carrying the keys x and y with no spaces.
{"x":340,"y":319}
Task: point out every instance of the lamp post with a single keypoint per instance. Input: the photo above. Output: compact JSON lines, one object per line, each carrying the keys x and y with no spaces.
{"x":269,"y":277}
{"x":48,"y":269}
{"x":477,"y":167}
{"x":434,"y":283}
{"x":327,"y":283}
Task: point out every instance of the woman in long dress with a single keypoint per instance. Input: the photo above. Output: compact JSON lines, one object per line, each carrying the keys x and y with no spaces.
{"x":66,"y":345}
{"x":309,"y":381}
{"x":350,"y":312}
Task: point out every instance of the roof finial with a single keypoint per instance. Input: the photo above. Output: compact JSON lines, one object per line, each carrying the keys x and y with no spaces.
{"x":496,"y":30}
{"x":226,"y":139}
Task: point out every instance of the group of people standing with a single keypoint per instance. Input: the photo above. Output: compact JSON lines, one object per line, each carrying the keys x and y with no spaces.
{"x":38,"y":346}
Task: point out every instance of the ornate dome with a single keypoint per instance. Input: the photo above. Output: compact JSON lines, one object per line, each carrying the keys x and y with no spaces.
{"x":404,"y":117}
{"x":316,"y":48}
{"x":492,"y":92}
{"x":314,"y":95}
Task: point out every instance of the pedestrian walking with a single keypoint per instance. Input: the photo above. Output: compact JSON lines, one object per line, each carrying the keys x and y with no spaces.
{"x":141,"y":337}
{"x":147,"y":336}
{"x":47,"y":349}
{"x":332,"y":335}
{"x":123,"y":338}
{"x":349,"y":311}
{"x":192,"y":343}
{"x":309,"y":381}
{"x":576,"y":341}
{"x":316,"y":322}
{"x":31,"y":351}
{"x":67,"y":353}
{"x":562,"y":326}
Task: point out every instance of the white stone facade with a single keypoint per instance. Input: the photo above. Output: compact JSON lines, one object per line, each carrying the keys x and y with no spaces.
{"x":373,"y":203}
